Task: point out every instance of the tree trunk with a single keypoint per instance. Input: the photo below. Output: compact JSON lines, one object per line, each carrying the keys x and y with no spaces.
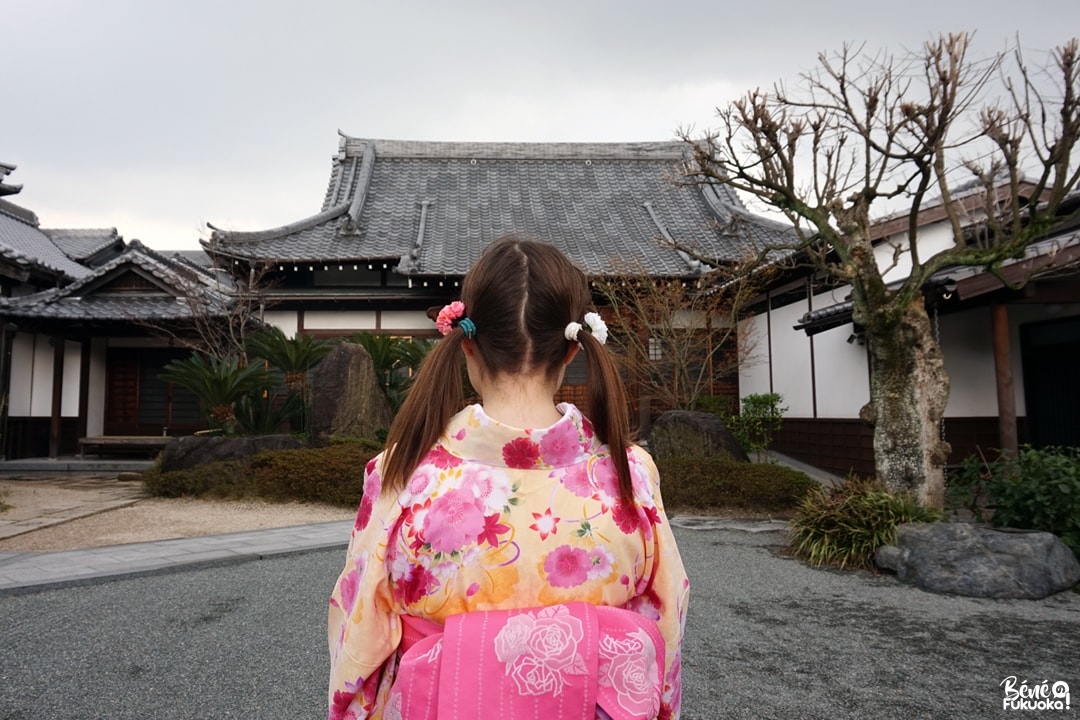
{"x":908,"y":393}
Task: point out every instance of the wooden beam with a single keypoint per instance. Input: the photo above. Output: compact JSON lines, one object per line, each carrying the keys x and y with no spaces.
{"x":1006,"y":395}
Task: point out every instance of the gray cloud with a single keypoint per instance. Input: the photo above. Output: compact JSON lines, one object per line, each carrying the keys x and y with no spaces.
{"x":158,"y":116}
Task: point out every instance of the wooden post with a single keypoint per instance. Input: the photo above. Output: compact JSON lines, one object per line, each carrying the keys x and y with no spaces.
{"x":84,"y":386}
{"x":1006,"y":395}
{"x":57,"y":397}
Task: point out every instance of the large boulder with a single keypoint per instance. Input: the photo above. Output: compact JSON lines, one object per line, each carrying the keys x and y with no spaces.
{"x":684,"y":433}
{"x":187,"y":452}
{"x":346,"y":398}
{"x":980,"y":561}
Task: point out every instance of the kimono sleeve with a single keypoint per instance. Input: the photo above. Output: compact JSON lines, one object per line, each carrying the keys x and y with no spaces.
{"x":666,"y":596}
{"x":364,"y":627}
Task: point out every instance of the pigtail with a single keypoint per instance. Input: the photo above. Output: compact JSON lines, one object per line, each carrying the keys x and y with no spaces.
{"x":435,"y":396}
{"x":608,"y":409}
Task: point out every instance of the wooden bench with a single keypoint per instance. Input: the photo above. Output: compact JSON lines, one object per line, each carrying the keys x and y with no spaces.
{"x":124,"y":443}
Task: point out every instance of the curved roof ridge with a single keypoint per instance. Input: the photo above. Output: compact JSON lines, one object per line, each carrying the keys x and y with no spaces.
{"x":153,"y":262}
{"x":389,"y":148}
{"x":18,"y":212}
{"x":245,"y":236}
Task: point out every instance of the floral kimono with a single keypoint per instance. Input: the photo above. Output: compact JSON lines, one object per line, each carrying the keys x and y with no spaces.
{"x":511,"y":533}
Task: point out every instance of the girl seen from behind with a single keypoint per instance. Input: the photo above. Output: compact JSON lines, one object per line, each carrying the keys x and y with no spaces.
{"x":512,"y":557}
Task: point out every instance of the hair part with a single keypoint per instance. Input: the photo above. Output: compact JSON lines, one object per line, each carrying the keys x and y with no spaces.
{"x":521,"y":294}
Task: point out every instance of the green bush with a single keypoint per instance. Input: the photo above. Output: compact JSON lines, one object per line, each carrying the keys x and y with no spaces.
{"x":219,"y":479}
{"x":761,"y":418}
{"x":1039,"y":489}
{"x":332,"y":474}
{"x":714,"y":483}
{"x":843,"y":525}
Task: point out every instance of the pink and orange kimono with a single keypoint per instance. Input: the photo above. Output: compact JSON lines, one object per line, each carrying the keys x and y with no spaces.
{"x":507,"y":579}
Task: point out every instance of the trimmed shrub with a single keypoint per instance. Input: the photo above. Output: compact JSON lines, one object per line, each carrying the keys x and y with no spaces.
{"x":219,"y":479}
{"x":843,"y":525}
{"x":711,"y":483}
{"x":332,"y":474}
{"x":1039,"y":489}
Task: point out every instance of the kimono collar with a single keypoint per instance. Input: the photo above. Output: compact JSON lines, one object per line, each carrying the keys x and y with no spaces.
{"x":473,"y":435}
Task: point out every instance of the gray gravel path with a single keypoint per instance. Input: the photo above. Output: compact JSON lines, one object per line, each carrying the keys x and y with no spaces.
{"x":767,"y":637}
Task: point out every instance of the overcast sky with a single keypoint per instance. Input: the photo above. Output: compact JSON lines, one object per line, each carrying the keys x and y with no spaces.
{"x":158,"y":116}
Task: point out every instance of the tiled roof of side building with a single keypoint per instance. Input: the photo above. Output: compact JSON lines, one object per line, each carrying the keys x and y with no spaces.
{"x":21,"y":236}
{"x":78,"y":301}
{"x":81,"y":244}
{"x":610,"y":206}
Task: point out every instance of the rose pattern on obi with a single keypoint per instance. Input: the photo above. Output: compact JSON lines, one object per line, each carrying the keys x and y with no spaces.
{"x":502,"y":518}
{"x":539,"y":649}
{"x":629,"y":666}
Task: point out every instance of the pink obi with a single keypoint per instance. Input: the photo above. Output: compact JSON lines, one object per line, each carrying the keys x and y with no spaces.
{"x":572,"y":661}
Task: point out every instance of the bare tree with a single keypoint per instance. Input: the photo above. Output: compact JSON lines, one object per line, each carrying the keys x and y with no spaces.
{"x":861,"y":131}
{"x":674,"y":337}
{"x":220,"y":307}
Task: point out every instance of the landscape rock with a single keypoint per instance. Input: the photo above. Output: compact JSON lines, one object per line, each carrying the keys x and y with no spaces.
{"x":346,"y":398}
{"x":684,"y":433}
{"x":980,"y":561}
{"x":187,"y":452}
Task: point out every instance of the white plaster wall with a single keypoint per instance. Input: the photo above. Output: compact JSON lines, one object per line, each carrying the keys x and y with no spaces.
{"x":69,"y":399}
{"x":969,"y":360}
{"x":967,"y":344}
{"x":406,"y":320}
{"x":338,"y":320}
{"x":23,"y":367}
{"x":41,"y":378}
{"x":842,"y":373}
{"x":754,"y":371}
{"x":32,"y":377}
{"x":95,"y":406}
{"x":932,"y":239}
{"x":284,"y":320}
{"x":791,"y":360}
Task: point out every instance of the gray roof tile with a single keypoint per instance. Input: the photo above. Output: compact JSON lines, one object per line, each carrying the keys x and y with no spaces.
{"x":79,"y":301}
{"x":20,"y":237}
{"x":81,"y":244}
{"x":437,"y":205}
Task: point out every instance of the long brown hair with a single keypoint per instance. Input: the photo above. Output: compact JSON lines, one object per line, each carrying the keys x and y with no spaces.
{"x":520,"y":295}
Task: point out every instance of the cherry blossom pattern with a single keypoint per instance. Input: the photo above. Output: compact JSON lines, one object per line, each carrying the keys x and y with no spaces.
{"x":567,"y":566}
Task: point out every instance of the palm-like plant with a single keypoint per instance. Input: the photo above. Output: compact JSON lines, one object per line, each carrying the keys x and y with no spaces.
{"x":394,"y":360}
{"x":219,"y":383}
{"x":292,"y":356}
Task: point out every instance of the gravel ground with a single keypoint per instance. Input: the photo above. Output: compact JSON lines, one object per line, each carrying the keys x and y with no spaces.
{"x":766,"y":637}
{"x":148,"y":519}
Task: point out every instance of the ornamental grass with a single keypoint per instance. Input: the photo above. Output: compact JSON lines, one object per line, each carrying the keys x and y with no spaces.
{"x":844,"y":525}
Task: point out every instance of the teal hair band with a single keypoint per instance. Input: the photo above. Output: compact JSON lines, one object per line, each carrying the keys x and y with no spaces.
{"x":468,"y":327}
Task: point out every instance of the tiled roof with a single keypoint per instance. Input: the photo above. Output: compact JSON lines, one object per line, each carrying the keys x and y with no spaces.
{"x":79,"y":301}
{"x":22,"y":241}
{"x":81,"y":244}
{"x":435,"y":206}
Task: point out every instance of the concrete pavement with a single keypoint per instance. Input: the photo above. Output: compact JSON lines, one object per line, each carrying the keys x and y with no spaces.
{"x":22,"y":572}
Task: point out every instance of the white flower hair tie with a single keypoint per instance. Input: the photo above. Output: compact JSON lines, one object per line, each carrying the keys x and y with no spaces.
{"x":597,"y":328}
